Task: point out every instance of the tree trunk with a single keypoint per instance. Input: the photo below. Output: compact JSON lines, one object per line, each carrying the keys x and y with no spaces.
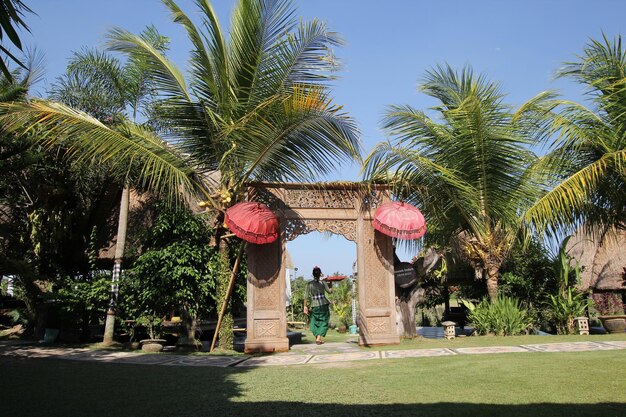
{"x":122,"y":224}
{"x":493,"y":272}
{"x":406,"y":300}
{"x":225,"y":330}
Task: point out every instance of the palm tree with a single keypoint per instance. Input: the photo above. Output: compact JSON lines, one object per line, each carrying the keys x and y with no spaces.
{"x":11,"y":19}
{"x":587,"y":162}
{"x":98,"y":84}
{"x":467,"y":172}
{"x":255,"y":106}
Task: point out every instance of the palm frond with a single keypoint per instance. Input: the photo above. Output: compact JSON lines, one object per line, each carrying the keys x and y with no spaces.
{"x":90,"y":141}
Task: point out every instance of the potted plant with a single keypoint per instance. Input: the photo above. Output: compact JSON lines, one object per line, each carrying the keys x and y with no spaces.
{"x":611,"y":311}
{"x":154,"y":328}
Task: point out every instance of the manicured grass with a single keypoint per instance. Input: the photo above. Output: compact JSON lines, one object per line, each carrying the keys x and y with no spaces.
{"x":525,"y":384}
{"x":472,"y":341}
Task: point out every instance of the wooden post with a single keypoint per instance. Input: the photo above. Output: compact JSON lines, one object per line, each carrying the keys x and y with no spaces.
{"x":227,"y":296}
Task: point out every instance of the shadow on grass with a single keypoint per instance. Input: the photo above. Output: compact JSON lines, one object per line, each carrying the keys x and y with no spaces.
{"x":51,"y":387}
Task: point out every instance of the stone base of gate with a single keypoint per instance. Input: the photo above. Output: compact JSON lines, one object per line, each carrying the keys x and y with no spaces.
{"x":267,"y":346}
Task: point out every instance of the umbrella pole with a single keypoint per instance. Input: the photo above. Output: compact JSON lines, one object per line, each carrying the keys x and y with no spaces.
{"x":227,"y":296}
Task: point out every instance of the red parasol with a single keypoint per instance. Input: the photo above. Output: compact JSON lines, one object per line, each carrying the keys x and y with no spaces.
{"x":335,"y":278}
{"x":252,"y":222}
{"x":399,"y":219}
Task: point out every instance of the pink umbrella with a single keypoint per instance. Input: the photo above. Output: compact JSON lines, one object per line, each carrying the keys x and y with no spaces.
{"x":252,"y":222}
{"x":399,"y":219}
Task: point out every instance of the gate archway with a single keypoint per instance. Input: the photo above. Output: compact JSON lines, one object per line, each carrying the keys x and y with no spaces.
{"x":341,"y":208}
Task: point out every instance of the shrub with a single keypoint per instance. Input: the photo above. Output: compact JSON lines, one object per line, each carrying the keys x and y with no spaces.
{"x":608,"y":304}
{"x":341,"y":301}
{"x":502,"y":317}
{"x":568,"y":302}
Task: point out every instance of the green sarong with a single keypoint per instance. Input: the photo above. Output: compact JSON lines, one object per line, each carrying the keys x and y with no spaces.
{"x":320,"y":316}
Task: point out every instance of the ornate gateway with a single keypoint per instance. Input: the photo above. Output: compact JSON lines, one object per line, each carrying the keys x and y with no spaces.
{"x":340,"y":208}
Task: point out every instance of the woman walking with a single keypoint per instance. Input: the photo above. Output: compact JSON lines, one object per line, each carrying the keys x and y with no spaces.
{"x":319,"y":313}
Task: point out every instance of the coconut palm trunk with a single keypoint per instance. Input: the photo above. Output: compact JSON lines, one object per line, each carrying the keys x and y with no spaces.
{"x":109,"y":325}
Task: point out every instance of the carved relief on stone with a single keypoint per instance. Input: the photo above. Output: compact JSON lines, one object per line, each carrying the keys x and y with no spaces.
{"x":345,"y":228}
{"x":266,"y":294}
{"x":271,"y":197}
{"x":376,"y":292}
{"x":266,"y":329}
{"x":377,"y":275}
{"x":320,"y":198}
{"x":378,"y":325}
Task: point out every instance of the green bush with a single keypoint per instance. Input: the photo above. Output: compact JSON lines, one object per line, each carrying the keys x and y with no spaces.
{"x":502,"y":317}
{"x":341,"y":301}
{"x":568,"y":302}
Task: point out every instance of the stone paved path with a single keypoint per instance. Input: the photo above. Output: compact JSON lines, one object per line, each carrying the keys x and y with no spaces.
{"x":298,"y":355}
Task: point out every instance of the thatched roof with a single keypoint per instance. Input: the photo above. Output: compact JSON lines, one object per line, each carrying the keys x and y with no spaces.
{"x":602,"y":258}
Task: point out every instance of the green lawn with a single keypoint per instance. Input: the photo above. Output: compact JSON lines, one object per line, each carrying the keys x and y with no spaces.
{"x":473,"y":341}
{"x":525,"y":384}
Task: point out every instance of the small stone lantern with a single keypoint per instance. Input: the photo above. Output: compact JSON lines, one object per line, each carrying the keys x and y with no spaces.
{"x":582,"y":325}
{"x":448,"y":329}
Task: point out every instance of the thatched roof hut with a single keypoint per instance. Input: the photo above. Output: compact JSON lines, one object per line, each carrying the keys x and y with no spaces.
{"x":602,"y":258}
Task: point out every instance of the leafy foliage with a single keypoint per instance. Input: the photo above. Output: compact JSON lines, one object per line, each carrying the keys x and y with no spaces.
{"x":341,"y":301}
{"x":586,"y":163}
{"x":298,"y":287}
{"x":608,"y":303}
{"x":176,"y":272}
{"x":467,"y":171}
{"x":568,"y":302}
{"x":502,"y":317}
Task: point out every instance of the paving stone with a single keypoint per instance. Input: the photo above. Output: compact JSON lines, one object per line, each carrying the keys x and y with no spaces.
{"x":276,"y":360}
{"x":490,"y":349}
{"x":345,"y":357}
{"x":571,"y":347}
{"x":416,"y":353}
{"x":620,"y":344}
{"x":219,"y":361}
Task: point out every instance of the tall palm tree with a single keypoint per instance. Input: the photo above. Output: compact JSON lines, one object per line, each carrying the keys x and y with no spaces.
{"x":587,"y":162}
{"x":100,"y":85}
{"x":467,"y":169}
{"x":255,"y":106}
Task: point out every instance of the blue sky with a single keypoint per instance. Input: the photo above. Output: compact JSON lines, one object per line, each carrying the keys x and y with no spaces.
{"x":388,"y":47}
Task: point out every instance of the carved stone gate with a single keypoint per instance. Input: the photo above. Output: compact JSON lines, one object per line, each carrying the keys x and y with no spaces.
{"x":341,"y":208}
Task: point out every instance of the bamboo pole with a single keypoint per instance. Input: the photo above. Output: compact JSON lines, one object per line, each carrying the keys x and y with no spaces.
{"x":227,"y":296}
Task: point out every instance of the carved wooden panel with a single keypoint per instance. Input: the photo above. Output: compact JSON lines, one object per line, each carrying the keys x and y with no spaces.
{"x":320,"y":198}
{"x":264,"y":265}
{"x":376,"y":279}
{"x":345,"y":228}
{"x":266,"y":329}
{"x":378,"y":325}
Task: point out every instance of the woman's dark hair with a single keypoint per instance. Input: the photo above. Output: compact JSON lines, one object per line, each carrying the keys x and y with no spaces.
{"x":317,"y":272}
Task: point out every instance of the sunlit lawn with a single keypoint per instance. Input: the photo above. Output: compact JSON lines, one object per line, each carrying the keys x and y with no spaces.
{"x":524,"y":384}
{"x":473,"y":341}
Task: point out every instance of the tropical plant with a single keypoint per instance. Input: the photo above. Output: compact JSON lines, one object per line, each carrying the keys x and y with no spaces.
{"x":153,"y":325}
{"x":341,"y":302}
{"x":568,"y":302}
{"x":177,"y":270}
{"x":608,"y":303}
{"x":100,"y":85}
{"x":587,"y":162}
{"x":502,"y":317}
{"x":298,"y":287}
{"x":11,"y":19}
{"x":468,"y":173}
{"x":256,"y":107}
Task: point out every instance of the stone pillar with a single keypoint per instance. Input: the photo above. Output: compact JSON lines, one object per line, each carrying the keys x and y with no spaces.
{"x":449,"y":331}
{"x":267,"y":318}
{"x":582,"y":325}
{"x":377,"y":314}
